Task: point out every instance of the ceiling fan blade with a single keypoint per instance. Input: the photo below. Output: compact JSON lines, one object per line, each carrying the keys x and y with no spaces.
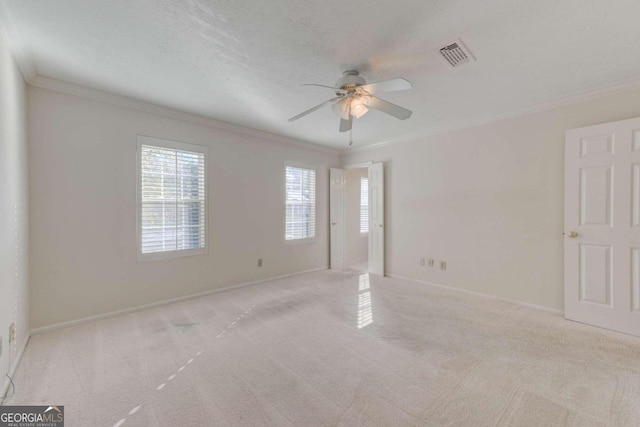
{"x":345,"y":125}
{"x":390,"y":85}
{"x":311,"y":110}
{"x":387,"y":107}
{"x":329,"y":87}
{"x":342,"y":108}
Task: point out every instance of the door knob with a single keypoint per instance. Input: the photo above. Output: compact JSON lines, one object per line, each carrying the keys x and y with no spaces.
{"x":572,"y":234}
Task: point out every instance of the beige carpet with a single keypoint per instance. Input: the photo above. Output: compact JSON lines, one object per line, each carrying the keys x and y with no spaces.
{"x":335,"y":349}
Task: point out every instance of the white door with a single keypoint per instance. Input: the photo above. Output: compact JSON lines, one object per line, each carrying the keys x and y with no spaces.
{"x":376,"y":219}
{"x":336,"y":217}
{"x":602,"y":225}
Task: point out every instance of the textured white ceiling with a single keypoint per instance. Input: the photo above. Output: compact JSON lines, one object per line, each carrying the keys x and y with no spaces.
{"x":242,"y":61}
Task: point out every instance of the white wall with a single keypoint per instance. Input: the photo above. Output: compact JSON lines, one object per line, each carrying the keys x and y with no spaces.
{"x":488,"y":200}
{"x":356,"y":242}
{"x":14,"y":219}
{"x":83,"y":198}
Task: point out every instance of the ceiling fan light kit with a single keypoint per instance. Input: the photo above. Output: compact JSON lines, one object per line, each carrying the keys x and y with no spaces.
{"x":359,"y":108}
{"x":354,"y":98}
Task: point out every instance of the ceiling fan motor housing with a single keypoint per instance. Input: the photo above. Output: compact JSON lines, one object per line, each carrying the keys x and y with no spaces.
{"x":350,"y":80}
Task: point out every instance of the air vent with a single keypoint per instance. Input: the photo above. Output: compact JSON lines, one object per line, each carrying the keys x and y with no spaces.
{"x":456,"y":54}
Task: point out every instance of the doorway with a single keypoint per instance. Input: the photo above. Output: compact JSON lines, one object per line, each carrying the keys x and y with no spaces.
{"x":356,"y":199}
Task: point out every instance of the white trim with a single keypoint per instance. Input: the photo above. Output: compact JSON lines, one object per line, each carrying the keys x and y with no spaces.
{"x":300,"y":241}
{"x":576,"y":98}
{"x":361,"y":165}
{"x":175,"y":145}
{"x":137,"y":308}
{"x":27,"y":66}
{"x":148,"y":107}
{"x":166,"y":255}
{"x":480,"y":294}
{"x":16,"y":40}
{"x":172,"y":144}
{"x":12,"y":368}
{"x":295,"y":164}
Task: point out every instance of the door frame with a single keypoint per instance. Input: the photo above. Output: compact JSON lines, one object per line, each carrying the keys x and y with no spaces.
{"x":357,"y":165}
{"x":360,"y":165}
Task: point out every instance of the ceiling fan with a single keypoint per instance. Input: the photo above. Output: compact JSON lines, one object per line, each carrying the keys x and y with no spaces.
{"x":354,"y":97}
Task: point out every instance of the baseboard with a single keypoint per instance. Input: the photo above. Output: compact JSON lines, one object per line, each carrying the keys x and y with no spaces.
{"x":521,"y":303}
{"x":12,"y":369}
{"x":107,"y":315}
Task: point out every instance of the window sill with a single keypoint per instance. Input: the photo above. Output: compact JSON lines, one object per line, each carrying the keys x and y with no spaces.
{"x":300,"y":241}
{"x":159,"y":256}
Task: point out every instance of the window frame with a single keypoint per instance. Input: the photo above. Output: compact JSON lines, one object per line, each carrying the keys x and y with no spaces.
{"x":361,"y":206}
{"x":304,"y":240}
{"x":176,"y":145}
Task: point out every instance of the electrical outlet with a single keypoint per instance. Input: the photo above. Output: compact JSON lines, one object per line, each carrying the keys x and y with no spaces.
{"x":443,"y":265}
{"x":259,"y":262}
{"x":422,"y":262}
{"x":431,"y":262}
{"x":12,"y":332}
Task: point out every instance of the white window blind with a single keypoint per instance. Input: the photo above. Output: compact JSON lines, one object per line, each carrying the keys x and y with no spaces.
{"x":300,"y":203}
{"x":172,"y":199}
{"x":364,"y":205}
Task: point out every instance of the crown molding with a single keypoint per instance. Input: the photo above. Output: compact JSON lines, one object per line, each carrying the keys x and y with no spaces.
{"x":148,"y":107}
{"x":11,"y":32}
{"x":144,"y":106}
{"x":600,"y":92}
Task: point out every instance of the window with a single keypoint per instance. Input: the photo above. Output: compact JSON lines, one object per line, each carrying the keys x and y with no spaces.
{"x":364,"y":204}
{"x":300,"y":203}
{"x":171,"y":199}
